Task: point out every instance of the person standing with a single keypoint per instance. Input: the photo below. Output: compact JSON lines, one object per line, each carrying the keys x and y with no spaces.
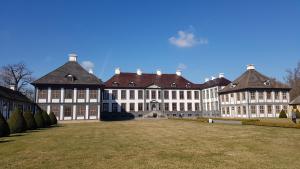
{"x":294,"y":116}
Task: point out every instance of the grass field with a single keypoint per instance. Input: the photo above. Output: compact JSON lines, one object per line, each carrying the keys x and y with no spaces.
{"x":153,"y":144}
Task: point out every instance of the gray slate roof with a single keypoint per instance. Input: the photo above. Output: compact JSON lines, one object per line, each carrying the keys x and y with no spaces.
{"x":252,"y":79}
{"x":13,"y":95}
{"x":296,"y":101}
{"x":59,"y":76}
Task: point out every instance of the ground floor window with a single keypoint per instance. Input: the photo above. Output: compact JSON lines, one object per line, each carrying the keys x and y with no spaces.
{"x":277,"y":108}
{"x":166,"y":106}
{"x":174,"y":106}
{"x":93,"y":110}
{"x":131,"y":106}
{"x":114,"y":107}
{"x":68,"y":110}
{"x":262,"y":109}
{"x":123,"y":107}
{"x":55,"y":109}
{"x":253,"y":109}
{"x":197,"y":107}
{"x":269,"y":109}
{"x":181,"y":106}
{"x":81,"y":110}
{"x":244,"y":109}
{"x":140,"y":106}
{"x":239,"y":110}
{"x":189,"y":106}
{"x":105,"y":107}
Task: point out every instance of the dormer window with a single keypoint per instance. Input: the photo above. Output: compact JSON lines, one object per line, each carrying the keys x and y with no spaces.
{"x":173,"y":84}
{"x":115,"y":84}
{"x":188,"y":85}
{"x":267,"y":83}
{"x":233,"y":85}
{"x":131,"y":84}
{"x":70,"y":78}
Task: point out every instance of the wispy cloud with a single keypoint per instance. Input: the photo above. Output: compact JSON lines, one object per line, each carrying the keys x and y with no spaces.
{"x":181,"y":66}
{"x":88,"y":65}
{"x":186,"y":39}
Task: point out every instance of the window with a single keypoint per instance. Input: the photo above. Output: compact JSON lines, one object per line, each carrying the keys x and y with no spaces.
{"x":244,"y":96}
{"x":166,"y":94}
{"x":105,"y":107}
{"x":181,"y":106}
{"x":197,"y":106}
{"x":166,"y":106}
{"x":253,"y":109}
{"x":81,"y":110}
{"x":159,"y":94}
{"x":238,"y":96}
{"x":81,"y":93}
{"x":269,"y":109}
{"x":174,"y":95}
{"x":114,"y":95}
{"x":262,"y":109}
{"x":223,"y":110}
{"x":196,"y":95}
{"x":232,"y":109}
{"x":181,"y":95}
{"x":114,"y":107}
{"x":227,"y":110}
{"x":276,"y":95}
{"x":93,"y":94}
{"x":140,"y":94}
{"x":284,"y":95}
{"x":244,"y":109}
{"x":227,"y":98}
{"x":277,"y":108}
{"x":56,"y":110}
{"x":207,"y":94}
{"x":189,"y":95}
{"x":123,"y":107}
{"x":131,"y":107}
{"x":231,"y":95}
{"x":43,"y":94}
{"x":68,"y":93}
{"x":173,"y":85}
{"x":174,"y":106}
{"x":93,"y":110}
{"x":67,"y":111}
{"x":55,"y":94}
{"x":268,"y":95}
{"x":131,"y":94}
{"x":284,"y":108}
{"x":147,"y":106}
{"x":105,"y":95}
{"x":261,"y":95}
{"x":252,"y":95}
{"x":189,"y":106}
{"x":239,"y":110}
{"x":212,"y":93}
{"x":123,"y":94}
{"x":203,"y":94}
{"x":147,"y":94}
{"x":153,"y":94}
{"x":140,"y":106}
{"x":131,"y":84}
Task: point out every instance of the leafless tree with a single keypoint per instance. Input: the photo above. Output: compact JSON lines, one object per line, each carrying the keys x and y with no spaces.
{"x":16,"y":74}
{"x":293,"y":79}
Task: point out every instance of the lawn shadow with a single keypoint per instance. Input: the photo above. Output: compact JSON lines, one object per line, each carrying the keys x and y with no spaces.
{"x":116,"y":116}
{"x":5,"y":141}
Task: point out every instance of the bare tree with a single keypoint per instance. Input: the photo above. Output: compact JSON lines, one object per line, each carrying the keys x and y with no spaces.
{"x":16,"y":74}
{"x":293,"y":79}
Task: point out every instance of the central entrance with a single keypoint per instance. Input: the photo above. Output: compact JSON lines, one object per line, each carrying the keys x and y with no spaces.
{"x":154,"y":109}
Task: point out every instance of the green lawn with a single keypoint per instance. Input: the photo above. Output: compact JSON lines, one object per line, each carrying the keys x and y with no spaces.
{"x":153,"y":144}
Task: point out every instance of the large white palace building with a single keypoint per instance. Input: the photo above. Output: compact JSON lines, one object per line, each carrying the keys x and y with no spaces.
{"x":72,"y":93}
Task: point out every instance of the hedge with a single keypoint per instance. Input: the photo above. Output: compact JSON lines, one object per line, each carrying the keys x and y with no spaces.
{"x":4,"y":128}
{"x":38,"y":117}
{"x":29,"y":119}
{"x":53,"y":118}
{"x":17,"y":122}
{"x":46,"y":118}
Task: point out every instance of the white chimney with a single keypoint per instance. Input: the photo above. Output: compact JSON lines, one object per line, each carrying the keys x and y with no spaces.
{"x":73,"y":57}
{"x":91,"y":71}
{"x":139,"y":72}
{"x":158,"y":72}
{"x":12,"y":87}
{"x":221,"y":75}
{"x":117,"y":71}
{"x":213,"y":78}
{"x":206,"y":79}
{"x":178,"y":72}
{"x":250,"y":67}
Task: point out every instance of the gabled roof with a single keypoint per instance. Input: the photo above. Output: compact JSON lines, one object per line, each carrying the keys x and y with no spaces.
{"x":13,"y":95}
{"x":252,"y":79}
{"x":296,"y":101}
{"x":71,"y":73}
{"x":133,"y":80}
{"x":220,"y":81}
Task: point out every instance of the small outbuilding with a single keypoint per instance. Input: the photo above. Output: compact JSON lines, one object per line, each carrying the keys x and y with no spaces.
{"x":295,"y":102}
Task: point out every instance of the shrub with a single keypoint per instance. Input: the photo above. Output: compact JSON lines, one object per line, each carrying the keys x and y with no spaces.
{"x":17,"y":122}
{"x":39,"y":120}
{"x":297,"y":114}
{"x":4,"y":128}
{"x":29,"y":119}
{"x":46,"y":119}
{"x":282,"y":114}
{"x":53,"y":118}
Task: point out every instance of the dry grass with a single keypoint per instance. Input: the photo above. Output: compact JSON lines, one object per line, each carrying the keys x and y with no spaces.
{"x":153,"y":144}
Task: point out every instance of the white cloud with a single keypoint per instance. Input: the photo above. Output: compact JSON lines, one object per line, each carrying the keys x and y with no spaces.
{"x":181,"y":66}
{"x":88,"y":65}
{"x":186,"y":39}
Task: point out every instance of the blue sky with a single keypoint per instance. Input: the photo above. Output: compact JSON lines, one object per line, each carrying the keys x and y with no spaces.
{"x":203,"y":38}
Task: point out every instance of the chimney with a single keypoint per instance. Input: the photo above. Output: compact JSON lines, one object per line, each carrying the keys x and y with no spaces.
{"x":221,"y":75}
{"x":250,"y":67}
{"x":139,"y":72}
{"x":206,"y":79}
{"x":12,"y":87}
{"x":91,"y":71}
{"x":178,"y":72}
{"x":158,"y":72}
{"x":213,"y":78}
{"x":72,"y":57}
{"x":117,"y":71}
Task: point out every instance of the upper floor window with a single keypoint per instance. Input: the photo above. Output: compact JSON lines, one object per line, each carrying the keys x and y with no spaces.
{"x":252,"y":95}
{"x":153,"y":94}
{"x":105,"y":95}
{"x":284,"y":97}
{"x":147,"y":94}
{"x":55,"y":93}
{"x":166,"y":94}
{"x":43,"y":94}
{"x":159,"y":94}
{"x":238,"y":98}
{"x":81,"y":94}
{"x":132,"y":94}
{"x":261,"y":95}
{"x":268,"y":95}
{"x":181,"y":94}
{"x":244,"y":96}
{"x":174,"y":95}
{"x":123,"y":94}
{"x":115,"y":84}
{"x":196,"y":95}
{"x":68,"y":93}
{"x":188,"y":85}
{"x":114,"y":94}
{"x":131,"y":84}
{"x":93,"y":94}
{"x":189,"y":95}
{"x":173,"y":84}
{"x":140,"y":94}
{"x":105,"y":107}
{"x":276,"y":95}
